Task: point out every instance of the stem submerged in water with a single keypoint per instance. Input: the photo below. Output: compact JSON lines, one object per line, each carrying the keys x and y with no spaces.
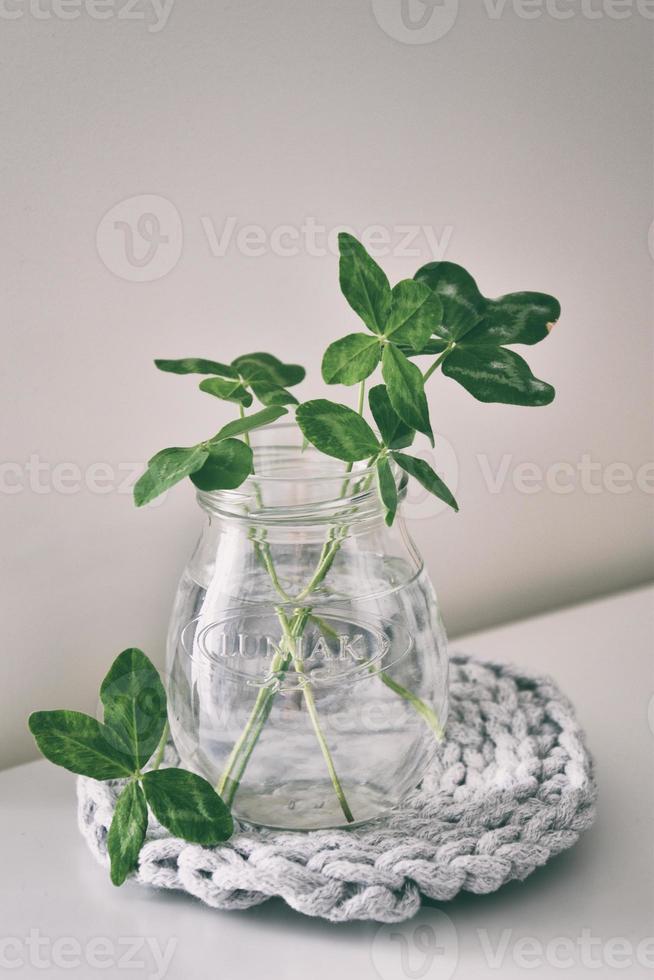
{"x":159,"y":752}
{"x":307,"y":693}
{"x":292,"y":629}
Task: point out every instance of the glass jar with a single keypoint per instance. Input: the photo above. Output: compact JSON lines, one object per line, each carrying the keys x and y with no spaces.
{"x":307,"y":664}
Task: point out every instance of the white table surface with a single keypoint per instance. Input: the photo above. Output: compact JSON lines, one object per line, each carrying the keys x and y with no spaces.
{"x":589,"y":912}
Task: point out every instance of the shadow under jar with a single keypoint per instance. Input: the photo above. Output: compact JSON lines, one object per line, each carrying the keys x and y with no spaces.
{"x":307,"y":662}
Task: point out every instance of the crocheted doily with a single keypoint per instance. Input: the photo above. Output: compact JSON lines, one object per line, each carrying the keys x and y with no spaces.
{"x":511,"y":786}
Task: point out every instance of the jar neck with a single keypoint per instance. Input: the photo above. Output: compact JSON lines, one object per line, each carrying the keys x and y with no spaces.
{"x":248,"y":505}
{"x":294,"y":484}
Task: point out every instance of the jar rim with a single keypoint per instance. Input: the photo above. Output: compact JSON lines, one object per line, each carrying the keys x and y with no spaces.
{"x":357,"y":469}
{"x":338,"y":490}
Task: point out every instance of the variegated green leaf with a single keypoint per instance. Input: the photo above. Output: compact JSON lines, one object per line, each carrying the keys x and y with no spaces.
{"x":387,"y":488}
{"x":433,"y":346}
{"x":134,"y":703}
{"x":81,"y":744}
{"x":406,"y":390}
{"x":127,"y":832}
{"x":424,"y":474}
{"x":271,"y":394}
{"x":228,"y":465}
{"x":519,"y":318}
{"x":196,"y":365}
{"x":416,"y":313}
{"x":495,"y":374}
{"x":351,"y":359}
{"x":230,"y":391}
{"x":463,"y":304}
{"x":337,"y":431}
{"x":167,"y":468}
{"x":237,"y":427}
{"x":363,"y":283}
{"x":188,"y":806}
{"x":260,"y":366}
{"x":395,"y":433}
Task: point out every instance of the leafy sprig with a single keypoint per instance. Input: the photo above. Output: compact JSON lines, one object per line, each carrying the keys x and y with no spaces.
{"x":399,"y":318}
{"x":439,"y":313}
{"x":220,"y":463}
{"x":134,"y":729}
{"x":337,"y":430}
{"x":249,"y":376}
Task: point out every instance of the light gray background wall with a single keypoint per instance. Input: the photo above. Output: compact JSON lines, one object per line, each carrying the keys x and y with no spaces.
{"x":523,"y":143}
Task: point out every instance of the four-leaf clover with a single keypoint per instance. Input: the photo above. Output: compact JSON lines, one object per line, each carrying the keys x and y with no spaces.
{"x":404,"y":317}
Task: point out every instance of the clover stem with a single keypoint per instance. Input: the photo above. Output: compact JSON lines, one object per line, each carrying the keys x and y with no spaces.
{"x":260,"y":544}
{"x":362,"y":397}
{"x":418,"y":704}
{"x":244,"y":746}
{"x":437,"y":363}
{"x":158,"y":755}
{"x":292,"y":629}
{"x":309,"y":700}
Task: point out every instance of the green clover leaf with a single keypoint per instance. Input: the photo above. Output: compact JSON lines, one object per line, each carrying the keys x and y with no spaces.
{"x":394,"y":432}
{"x":337,"y":430}
{"x":496,"y":374}
{"x":475,"y":329}
{"x":416,"y":313}
{"x":228,"y":465}
{"x":127,"y":832}
{"x":364,"y":283}
{"x":81,"y":744}
{"x":258,"y":374}
{"x":424,"y":474}
{"x":406,"y":390}
{"x":387,"y":488}
{"x":134,"y":727}
{"x":351,"y":359}
{"x":188,"y":806}
{"x":134,"y":704}
{"x":404,"y":317}
{"x":167,"y":468}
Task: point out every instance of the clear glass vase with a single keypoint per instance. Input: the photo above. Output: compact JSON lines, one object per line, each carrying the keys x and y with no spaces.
{"x":307,"y":663}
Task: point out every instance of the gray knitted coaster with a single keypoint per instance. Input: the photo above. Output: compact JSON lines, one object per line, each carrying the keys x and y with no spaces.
{"x":511,"y":786}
